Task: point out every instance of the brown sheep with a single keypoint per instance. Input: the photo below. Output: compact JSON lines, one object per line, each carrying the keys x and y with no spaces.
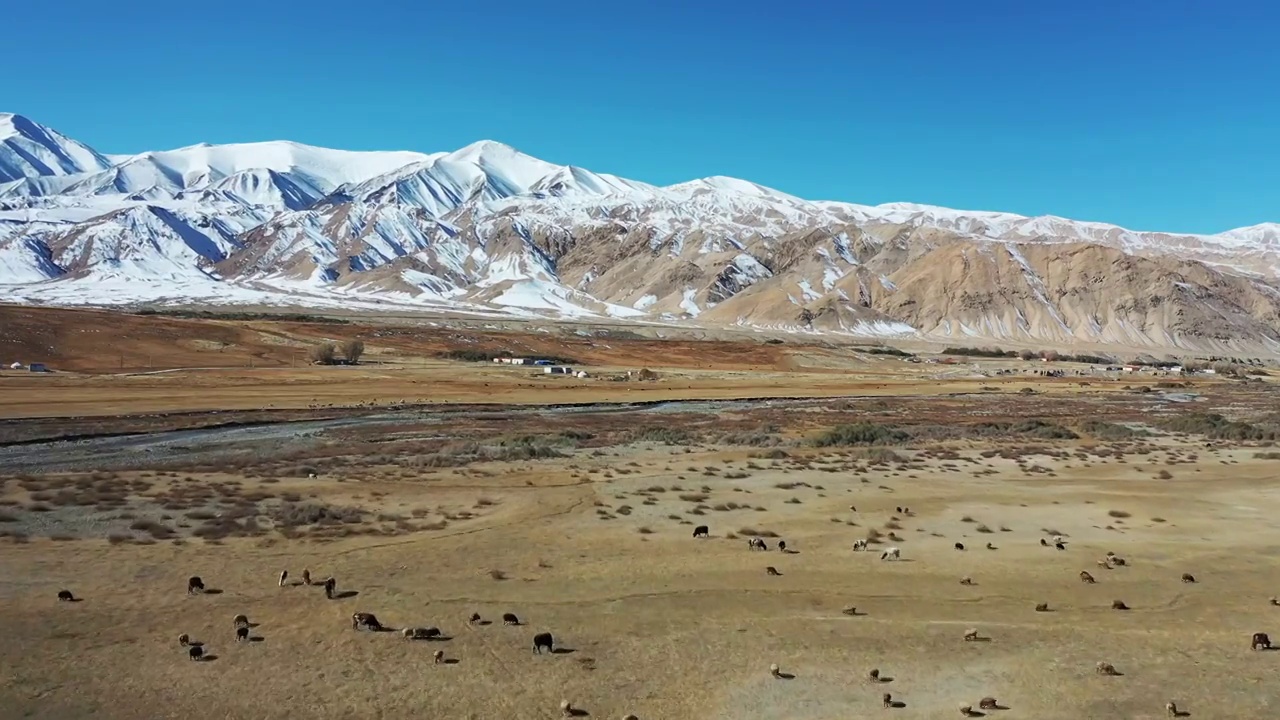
{"x":184,"y":640}
{"x":1172,"y":708}
{"x":1274,"y":601}
{"x":887,"y":699}
{"x":988,"y":703}
{"x":1042,"y":607}
{"x":306,"y":576}
{"x":195,"y":652}
{"x":771,"y":570}
{"x":66,"y":596}
{"x":475,"y":618}
{"x":1105,"y":668}
{"x":874,"y":675}
{"x":1085,"y":577}
{"x":1188,"y":578}
{"x":970,"y":635}
{"x":966,"y":580}
{"x":330,"y":585}
{"x":242,"y":633}
{"x":1260,"y":640}
{"x":437,"y":657}
{"x":1118,"y":605}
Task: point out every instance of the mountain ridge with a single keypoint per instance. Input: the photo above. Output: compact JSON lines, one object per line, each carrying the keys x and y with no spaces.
{"x":489,"y":230}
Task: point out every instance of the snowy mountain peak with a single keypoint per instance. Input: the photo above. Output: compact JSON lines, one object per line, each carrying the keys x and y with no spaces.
{"x":31,"y":150}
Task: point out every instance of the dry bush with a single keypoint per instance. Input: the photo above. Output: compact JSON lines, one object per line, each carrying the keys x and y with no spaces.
{"x":497,"y":575}
{"x":694,"y":497}
{"x":753,"y":532}
{"x":295,"y":514}
{"x":1118,"y":514}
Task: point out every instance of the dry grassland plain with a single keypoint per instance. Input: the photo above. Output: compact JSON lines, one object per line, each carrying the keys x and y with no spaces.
{"x":431,"y":489}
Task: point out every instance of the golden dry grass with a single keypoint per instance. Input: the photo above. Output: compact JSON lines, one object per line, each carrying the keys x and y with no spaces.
{"x":666,"y":626}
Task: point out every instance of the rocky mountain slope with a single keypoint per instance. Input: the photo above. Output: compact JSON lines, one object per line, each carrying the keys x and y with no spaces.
{"x":487,"y":230}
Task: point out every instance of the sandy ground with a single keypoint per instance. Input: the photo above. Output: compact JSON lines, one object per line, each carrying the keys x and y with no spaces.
{"x":664,"y":626}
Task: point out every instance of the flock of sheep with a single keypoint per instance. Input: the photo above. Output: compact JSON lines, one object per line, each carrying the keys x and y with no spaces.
{"x":545,"y":641}
{"x":359,"y":621}
{"x":1258,"y":641}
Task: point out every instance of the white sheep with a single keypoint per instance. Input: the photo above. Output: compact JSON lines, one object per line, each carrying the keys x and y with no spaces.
{"x":892,"y":553}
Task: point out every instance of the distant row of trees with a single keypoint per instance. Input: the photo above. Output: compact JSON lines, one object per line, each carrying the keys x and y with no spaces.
{"x":328,"y":353}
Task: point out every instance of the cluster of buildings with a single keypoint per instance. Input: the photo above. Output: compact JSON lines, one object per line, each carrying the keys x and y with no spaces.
{"x":547,"y":366}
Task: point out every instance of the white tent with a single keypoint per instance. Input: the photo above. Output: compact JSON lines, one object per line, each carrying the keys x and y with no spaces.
{"x":16,"y":366}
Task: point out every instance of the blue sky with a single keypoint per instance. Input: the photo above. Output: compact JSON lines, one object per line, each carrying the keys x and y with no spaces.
{"x":1160,"y":115}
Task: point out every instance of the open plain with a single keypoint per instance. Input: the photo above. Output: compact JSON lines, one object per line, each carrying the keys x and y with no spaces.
{"x":431,"y":488}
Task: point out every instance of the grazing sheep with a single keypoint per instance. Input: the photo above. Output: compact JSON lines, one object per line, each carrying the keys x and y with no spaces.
{"x":306,"y":576}
{"x":874,"y":675}
{"x":892,"y":553}
{"x":970,"y":635}
{"x":240,"y":621}
{"x":184,"y":640}
{"x":1044,"y":543}
{"x":475,"y":618}
{"x":859,"y":545}
{"x":1260,"y":640}
{"x":757,"y":544}
{"x":1085,"y":577}
{"x":1105,"y":563}
{"x":887,"y":699}
{"x":966,"y":580}
{"x":1058,"y":540}
{"x":364,"y":620}
{"x":1172,"y":708}
{"x":771,"y":570}
{"x":430,"y":633}
{"x":194,"y":585}
{"x":242,"y":633}
{"x":1105,"y":668}
{"x":907,"y":511}
{"x":966,"y":710}
{"x":894,"y":536}
{"x":782,"y":545}
{"x":437,"y":657}
{"x":991,"y":546}
{"x":195,"y":652}
{"x":566,"y":709}
{"x":1118,"y":605}
{"x":65,"y":596}
{"x":851,"y":610}
{"x":1060,"y":546}
{"x":1274,"y":601}
{"x":988,"y":703}
{"x":1188,"y":578}
{"x":284,"y":575}
{"x":701,"y":531}
{"x":959,"y":546}
{"x":1042,"y":607}
{"x":543,"y":640}
{"x":1118,"y":561}
{"x":330,"y":585}
{"x":898,"y":509}
{"x":510,"y":619}
{"x":775,"y":671}
{"x":853,"y":508}
{"x":409,"y":633}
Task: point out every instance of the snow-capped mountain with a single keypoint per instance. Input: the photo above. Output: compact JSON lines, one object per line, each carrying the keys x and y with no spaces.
{"x":489,"y":230}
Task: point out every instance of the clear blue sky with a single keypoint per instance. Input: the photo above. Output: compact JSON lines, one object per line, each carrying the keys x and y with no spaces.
{"x":1157,"y":114}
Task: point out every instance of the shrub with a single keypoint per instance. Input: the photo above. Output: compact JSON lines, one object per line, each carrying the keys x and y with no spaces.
{"x":860,"y":434}
{"x":352,"y":350}
{"x":324,"y":353}
{"x":1118,"y":514}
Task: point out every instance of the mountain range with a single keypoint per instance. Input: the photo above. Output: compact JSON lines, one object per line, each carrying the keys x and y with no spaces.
{"x":489,"y":231}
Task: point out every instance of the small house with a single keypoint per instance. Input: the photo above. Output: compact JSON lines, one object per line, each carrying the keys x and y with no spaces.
{"x":557,"y":370}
